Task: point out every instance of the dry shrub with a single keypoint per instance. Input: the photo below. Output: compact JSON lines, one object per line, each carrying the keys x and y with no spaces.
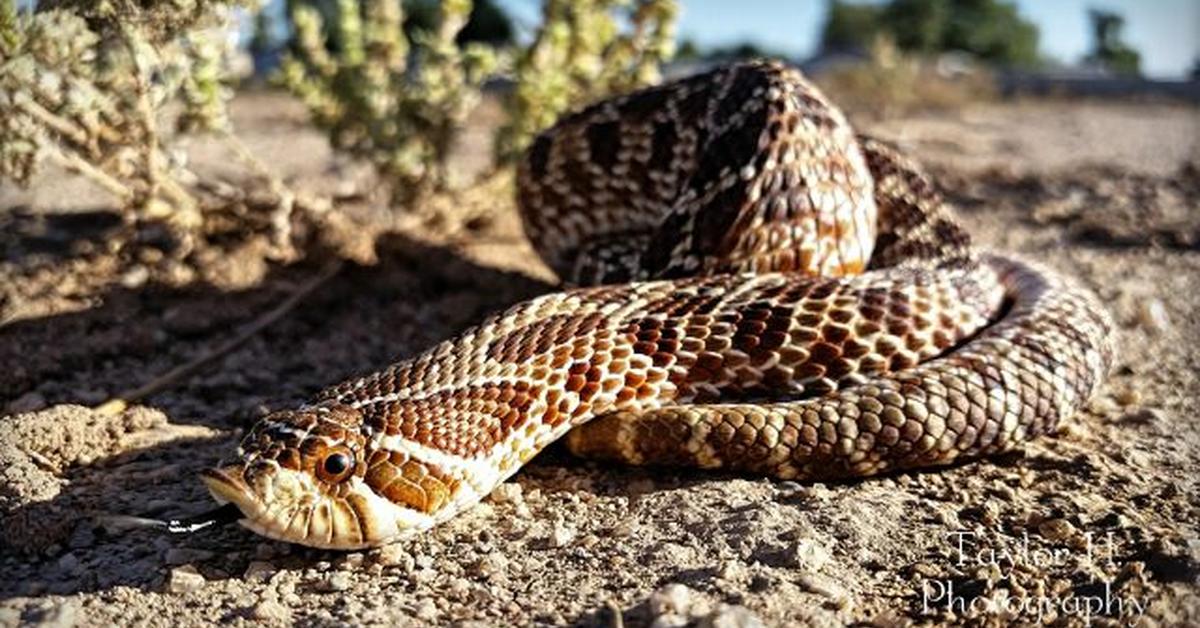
{"x":890,"y":83}
{"x":104,"y":90}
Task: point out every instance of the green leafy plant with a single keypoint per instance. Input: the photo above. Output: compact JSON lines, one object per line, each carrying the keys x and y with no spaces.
{"x":86,"y":85}
{"x":381,"y":96}
{"x":399,"y":99}
{"x":579,"y":54}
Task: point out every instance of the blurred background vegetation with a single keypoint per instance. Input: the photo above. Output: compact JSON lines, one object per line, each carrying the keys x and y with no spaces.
{"x":989,"y":30}
{"x":105,"y":89}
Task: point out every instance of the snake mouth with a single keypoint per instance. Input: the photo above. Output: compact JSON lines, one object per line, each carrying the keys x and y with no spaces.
{"x":228,"y":487}
{"x":279,"y":518}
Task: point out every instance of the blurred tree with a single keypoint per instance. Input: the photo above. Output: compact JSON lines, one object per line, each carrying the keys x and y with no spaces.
{"x":488,"y":23}
{"x":918,"y":25}
{"x":261,"y":41}
{"x":740,"y":50}
{"x":687,"y":50}
{"x":395,"y":100}
{"x":851,"y":26}
{"x":421,"y":16}
{"x":85,"y":86}
{"x":990,"y":29}
{"x":1107,"y":47}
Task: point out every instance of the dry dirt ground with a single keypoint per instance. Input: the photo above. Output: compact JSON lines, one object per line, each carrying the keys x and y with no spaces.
{"x":1099,"y":523}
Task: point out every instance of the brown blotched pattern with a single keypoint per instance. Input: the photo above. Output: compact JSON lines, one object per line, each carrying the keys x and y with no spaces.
{"x":769,"y":292}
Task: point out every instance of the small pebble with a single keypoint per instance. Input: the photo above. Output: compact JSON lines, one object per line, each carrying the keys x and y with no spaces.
{"x":820,"y":585}
{"x":508,"y":493}
{"x":673,"y":598}
{"x":286,"y":586}
{"x":62,"y":614}
{"x":991,"y":512}
{"x":491,"y":565}
{"x":338,"y":581}
{"x":460,"y":588}
{"x":426,"y":610}
{"x":265,"y":550}
{"x":271,"y":611}
{"x":135,"y":277}
{"x":924,"y":570}
{"x":423,"y":577}
{"x":1072,"y":431}
{"x":669,"y":621}
{"x":351,"y":562}
{"x":29,"y":402}
{"x":808,"y":555}
{"x":184,"y":579}
{"x":1103,"y":406}
{"x":259,"y":570}
{"x":395,"y":555}
{"x":763,"y":582}
{"x":562,"y":535}
{"x":730,"y":571}
{"x":1128,"y":396}
{"x":1145,"y":416}
{"x":483,"y":510}
{"x":1056,"y":529}
{"x":1152,"y":316}
{"x":69,"y":564}
{"x":622,"y":529}
{"x":1136,"y":458}
{"x":731,"y":616}
{"x":789,"y":486}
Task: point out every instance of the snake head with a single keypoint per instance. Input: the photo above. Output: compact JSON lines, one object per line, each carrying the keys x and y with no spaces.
{"x":299,"y":476}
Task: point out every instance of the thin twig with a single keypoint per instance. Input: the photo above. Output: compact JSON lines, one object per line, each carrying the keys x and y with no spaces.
{"x":281,"y":218}
{"x":118,"y":404}
{"x":145,"y":112}
{"x":159,"y":180}
{"x":60,"y":125}
{"x":68,"y":159}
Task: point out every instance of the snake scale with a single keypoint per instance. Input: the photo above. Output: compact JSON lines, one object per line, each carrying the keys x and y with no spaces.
{"x":757,"y":288}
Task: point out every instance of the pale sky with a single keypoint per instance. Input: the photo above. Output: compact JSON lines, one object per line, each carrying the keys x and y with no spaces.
{"x":1166,"y":32}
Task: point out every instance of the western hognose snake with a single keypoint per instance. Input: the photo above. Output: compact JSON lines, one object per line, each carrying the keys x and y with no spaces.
{"x":769,"y":293}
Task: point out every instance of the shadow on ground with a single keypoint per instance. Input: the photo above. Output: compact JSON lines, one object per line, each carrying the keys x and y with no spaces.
{"x":362,"y":319}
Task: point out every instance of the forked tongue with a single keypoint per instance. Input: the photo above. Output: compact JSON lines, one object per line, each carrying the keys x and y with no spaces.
{"x":228,"y":513}
{"x":225,"y":514}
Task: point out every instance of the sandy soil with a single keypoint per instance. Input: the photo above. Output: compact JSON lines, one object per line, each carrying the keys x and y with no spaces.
{"x":1101,"y":522}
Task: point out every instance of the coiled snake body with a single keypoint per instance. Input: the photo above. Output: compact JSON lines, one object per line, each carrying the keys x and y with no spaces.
{"x":768,"y":293}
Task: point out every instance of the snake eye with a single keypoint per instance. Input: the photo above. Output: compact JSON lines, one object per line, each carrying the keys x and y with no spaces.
{"x":336,"y":466}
